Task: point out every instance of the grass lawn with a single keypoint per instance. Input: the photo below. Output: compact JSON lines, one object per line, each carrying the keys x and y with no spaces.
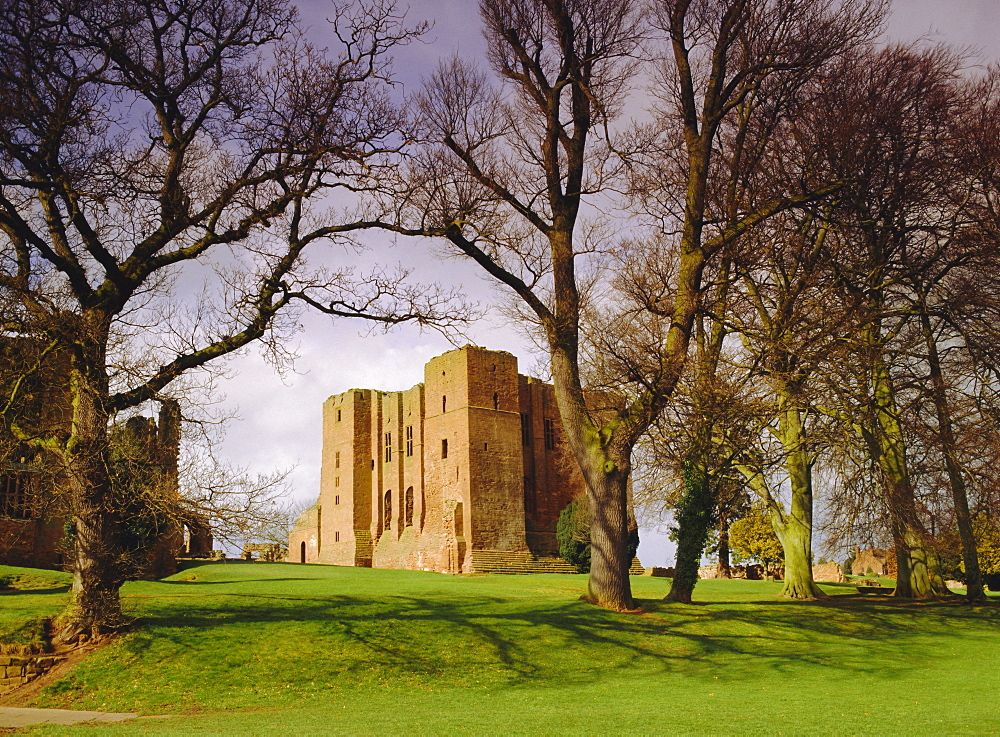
{"x":254,"y":648}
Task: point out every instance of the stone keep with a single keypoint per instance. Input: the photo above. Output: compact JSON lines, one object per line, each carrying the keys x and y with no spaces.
{"x":469,"y":466}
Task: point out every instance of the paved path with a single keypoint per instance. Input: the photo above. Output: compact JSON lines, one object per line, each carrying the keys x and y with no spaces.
{"x":26,"y":717}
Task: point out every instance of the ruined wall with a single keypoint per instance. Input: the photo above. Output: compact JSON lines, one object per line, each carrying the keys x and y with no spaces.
{"x":303,"y":538}
{"x":34,"y":543}
{"x":34,"y":504}
{"x":829,"y":572}
{"x":33,"y":508}
{"x":879,"y":562}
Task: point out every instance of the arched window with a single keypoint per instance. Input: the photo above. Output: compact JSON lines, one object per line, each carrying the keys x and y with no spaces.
{"x":302,"y":551}
{"x":444,"y":404}
{"x":387,"y":511}
{"x":496,"y":401}
{"x":408,"y":507}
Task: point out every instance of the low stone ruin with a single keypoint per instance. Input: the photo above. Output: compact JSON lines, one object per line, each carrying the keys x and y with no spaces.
{"x":829,"y":572}
{"x":874,"y":561}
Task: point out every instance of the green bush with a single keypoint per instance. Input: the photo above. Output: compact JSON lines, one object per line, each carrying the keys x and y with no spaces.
{"x":573,"y":534}
{"x":848,"y":566}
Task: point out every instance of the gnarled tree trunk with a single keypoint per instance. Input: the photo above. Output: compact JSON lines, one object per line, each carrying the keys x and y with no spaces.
{"x":609,"y":585}
{"x":95,"y":604}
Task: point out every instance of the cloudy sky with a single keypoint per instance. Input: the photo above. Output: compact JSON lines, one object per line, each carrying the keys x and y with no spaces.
{"x":280,"y":416}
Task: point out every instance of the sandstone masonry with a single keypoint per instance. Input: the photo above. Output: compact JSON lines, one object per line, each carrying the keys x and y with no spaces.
{"x":467,"y":471}
{"x":17,"y":670}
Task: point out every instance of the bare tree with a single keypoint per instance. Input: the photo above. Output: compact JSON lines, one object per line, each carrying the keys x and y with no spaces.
{"x":738,"y":72}
{"x":149,"y":146}
{"x":506,"y":179}
{"x":238,"y":506}
{"x":789,"y":334}
{"x":516,"y":174}
{"x":896,"y":226}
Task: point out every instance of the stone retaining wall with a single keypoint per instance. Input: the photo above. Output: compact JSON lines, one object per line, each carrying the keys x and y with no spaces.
{"x":17,"y":670}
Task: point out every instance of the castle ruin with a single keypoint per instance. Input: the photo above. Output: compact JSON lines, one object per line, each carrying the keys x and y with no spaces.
{"x":465,"y":472}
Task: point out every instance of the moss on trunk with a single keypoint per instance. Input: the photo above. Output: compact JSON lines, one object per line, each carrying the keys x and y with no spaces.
{"x":795,"y":528}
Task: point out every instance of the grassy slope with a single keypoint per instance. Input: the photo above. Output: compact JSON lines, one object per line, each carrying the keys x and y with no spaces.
{"x":286,"y":648}
{"x":38,"y":594}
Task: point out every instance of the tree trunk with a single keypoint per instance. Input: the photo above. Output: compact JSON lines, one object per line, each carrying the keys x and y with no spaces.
{"x":606,"y":468}
{"x":95,"y":604}
{"x":609,"y":585}
{"x":796,"y":542}
{"x":946,"y":434}
{"x":795,"y":528}
{"x":916,"y":577}
{"x":725,"y":568}
{"x":694,"y":520}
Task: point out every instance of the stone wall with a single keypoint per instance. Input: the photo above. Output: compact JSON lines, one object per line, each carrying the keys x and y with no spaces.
{"x":828,"y":572}
{"x":17,"y":670}
{"x":34,"y":543}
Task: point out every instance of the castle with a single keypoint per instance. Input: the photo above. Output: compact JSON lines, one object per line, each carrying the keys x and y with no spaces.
{"x":465,"y":472}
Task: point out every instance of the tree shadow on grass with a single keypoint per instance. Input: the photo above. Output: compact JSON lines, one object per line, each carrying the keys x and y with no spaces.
{"x":239,"y":581}
{"x":519,"y":641}
{"x":51,"y":590}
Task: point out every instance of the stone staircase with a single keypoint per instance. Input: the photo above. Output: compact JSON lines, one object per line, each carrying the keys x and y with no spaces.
{"x":363,"y":549}
{"x":510,"y":562}
{"x":505,"y":561}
